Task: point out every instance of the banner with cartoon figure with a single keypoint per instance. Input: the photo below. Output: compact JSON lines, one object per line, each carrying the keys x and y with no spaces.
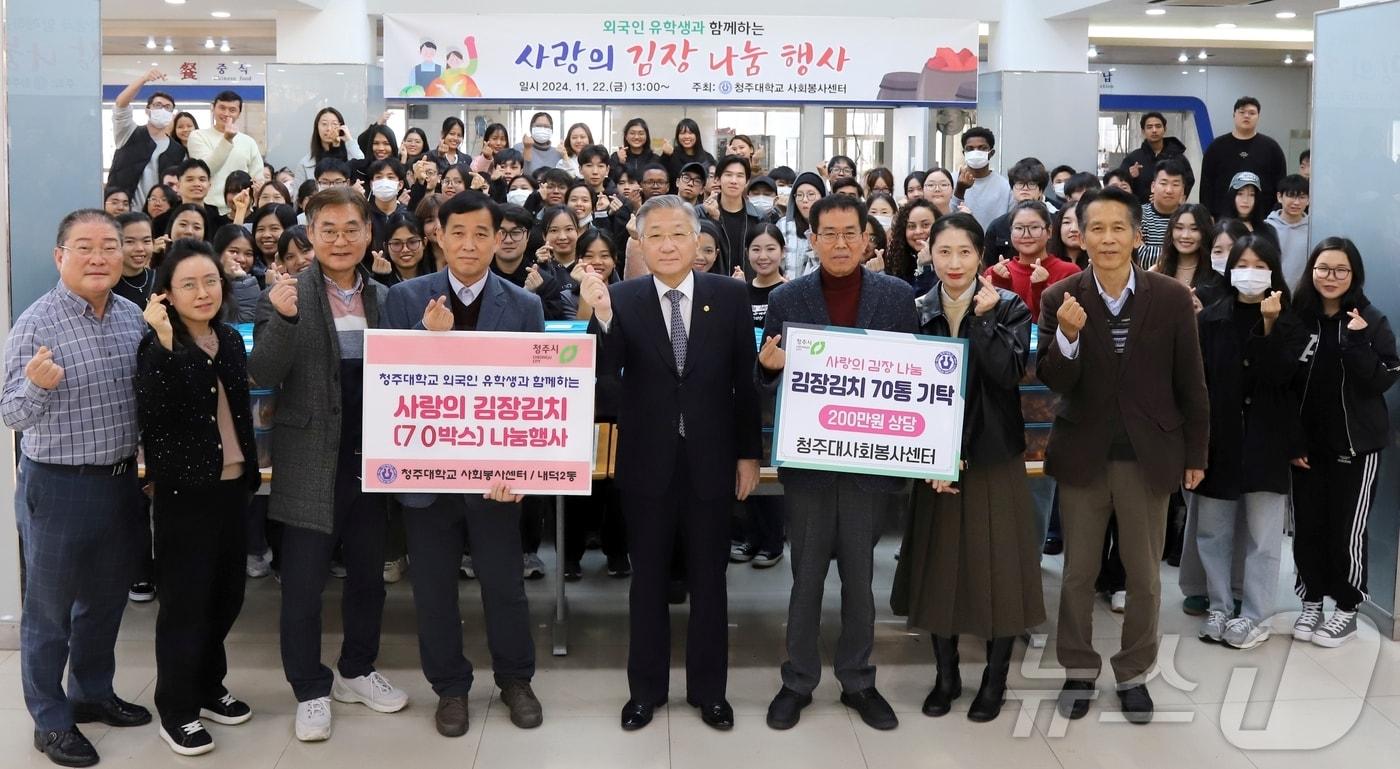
{"x":870,"y":402}
{"x":454,"y":412}
{"x":680,"y":57}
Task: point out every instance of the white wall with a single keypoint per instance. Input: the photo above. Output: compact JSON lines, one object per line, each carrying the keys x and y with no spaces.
{"x":1285,"y":93}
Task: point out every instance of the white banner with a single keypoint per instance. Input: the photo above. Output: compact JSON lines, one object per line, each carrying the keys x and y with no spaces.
{"x":679,"y":57}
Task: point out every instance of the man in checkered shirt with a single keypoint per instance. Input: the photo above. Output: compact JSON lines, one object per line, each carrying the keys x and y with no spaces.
{"x":69,"y":363}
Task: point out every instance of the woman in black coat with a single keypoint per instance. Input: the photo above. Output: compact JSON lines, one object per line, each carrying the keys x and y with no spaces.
{"x":197,"y":432}
{"x":1250,"y":344}
{"x":971,"y":554}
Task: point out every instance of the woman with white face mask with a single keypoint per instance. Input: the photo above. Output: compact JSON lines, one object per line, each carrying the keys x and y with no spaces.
{"x":1251,"y":344}
{"x":538,"y":149}
{"x":881,"y":207}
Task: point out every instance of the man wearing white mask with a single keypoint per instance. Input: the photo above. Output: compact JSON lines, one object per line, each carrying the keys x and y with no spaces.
{"x":141,"y":155}
{"x":540,"y":151}
{"x":984,"y":191}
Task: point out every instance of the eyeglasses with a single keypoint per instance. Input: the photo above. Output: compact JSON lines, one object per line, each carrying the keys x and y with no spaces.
{"x":327,"y":183}
{"x":1336,"y":273}
{"x":513,"y":234}
{"x":210,"y":284}
{"x":803,"y":197}
{"x":938,"y":186}
{"x":831,"y":237}
{"x":412,"y":244}
{"x":1026,"y":187}
{"x":1031,"y":231}
{"x":654,"y":182}
{"x":85,"y":251}
{"x":351,"y":235}
{"x":690,"y":179}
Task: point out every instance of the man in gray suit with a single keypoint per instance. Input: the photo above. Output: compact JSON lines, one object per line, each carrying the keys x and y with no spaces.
{"x":467,"y":296}
{"x":309,"y":343}
{"x":832,"y":511}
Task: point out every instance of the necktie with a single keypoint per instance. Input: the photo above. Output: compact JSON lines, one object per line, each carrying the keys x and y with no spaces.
{"x":678,"y":339}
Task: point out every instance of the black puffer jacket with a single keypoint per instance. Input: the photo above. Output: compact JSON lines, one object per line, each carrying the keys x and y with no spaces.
{"x":176,"y":404}
{"x":1254,"y":425}
{"x":1144,"y":156}
{"x":1369,"y":366}
{"x":998,"y":349}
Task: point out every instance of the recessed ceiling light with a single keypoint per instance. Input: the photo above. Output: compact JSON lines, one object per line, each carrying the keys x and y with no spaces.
{"x":224,"y":47}
{"x":1201,"y":70}
{"x":1156,"y":11}
{"x":220,"y":14}
{"x":235,"y":61}
{"x":1225,"y":25}
{"x":174,"y":2}
{"x":169,"y":47}
{"x":1112,"y":69}
{"x":1309,"y":57}
{"x":1186,"y":72}
{"x":1288,"y":59}
{"x":1093,"y":52}
{"x":340,"y":73}
{"x":209,"y":42}
{"x":1183,"y":58}
{"x":1285,"y":15}
{"x":151,"y":42}
{"x":1202,"y":54}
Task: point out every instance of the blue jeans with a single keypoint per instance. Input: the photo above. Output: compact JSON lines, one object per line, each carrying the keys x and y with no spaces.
{"x":80,"y":535}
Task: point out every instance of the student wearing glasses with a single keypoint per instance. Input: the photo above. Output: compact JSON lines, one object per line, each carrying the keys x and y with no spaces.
{"x":1034,"y":268}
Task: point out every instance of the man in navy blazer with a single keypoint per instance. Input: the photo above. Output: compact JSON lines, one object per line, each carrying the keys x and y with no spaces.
{"x":829,"y":511}
{"x":689,"y":440}
{"x":468,"y":297}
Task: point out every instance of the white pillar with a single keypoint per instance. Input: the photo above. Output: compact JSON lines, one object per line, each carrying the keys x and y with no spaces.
{"x":1037,"y":94}
{"x":340,"y":33}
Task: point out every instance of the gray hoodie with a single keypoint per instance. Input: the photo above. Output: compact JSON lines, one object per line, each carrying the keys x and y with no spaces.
{"x":1292,"y":245}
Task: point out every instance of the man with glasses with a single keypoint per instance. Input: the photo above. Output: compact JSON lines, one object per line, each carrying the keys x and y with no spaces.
{"x":656,"y":180}
{"x":829,"y":511}
{"x":1028,"y":179}
{"x":690,"y":185}
{"x":509,"y":261}
{"x":681,"y":343}
{"x":141,"y":154}
{"x":69,"y":362}
{"x":309,"y":335}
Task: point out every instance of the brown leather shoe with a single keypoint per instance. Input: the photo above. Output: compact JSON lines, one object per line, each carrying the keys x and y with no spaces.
{"x":525,"y":710}
{"x":451,"y":716}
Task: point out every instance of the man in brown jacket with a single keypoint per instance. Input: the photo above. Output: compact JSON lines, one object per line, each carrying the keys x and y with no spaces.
{"x":1120,"y":347}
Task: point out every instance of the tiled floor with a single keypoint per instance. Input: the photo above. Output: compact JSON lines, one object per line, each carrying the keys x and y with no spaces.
{"x":1307,"y":706}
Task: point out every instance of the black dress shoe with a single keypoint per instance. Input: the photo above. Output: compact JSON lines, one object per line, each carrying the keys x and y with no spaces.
{"x":676,"y":592}
{"x":451,"y":717}
{"x":1075,"y":697}
{"x":112,"y":712}
{"x":635,"y":715}
{"x":786,"y":708}
{"x":717,"y":715}
{"x":873,"y":709}
{"x":69,"y":748}
{"x":1053,"y":546}
{"x":1137,"y":704}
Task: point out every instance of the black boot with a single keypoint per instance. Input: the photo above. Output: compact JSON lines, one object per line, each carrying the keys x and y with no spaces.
{"x":948,"y":686}
{"x":987,"y":705}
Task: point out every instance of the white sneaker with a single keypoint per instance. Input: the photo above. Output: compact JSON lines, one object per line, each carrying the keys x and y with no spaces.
{"x":1307,"y":622}
{"x":1242,"y":633}
{"x":1337,"y":630}
{"x":314,"y":720}
{"x":338,"y":570}
{"x":373,"y":691}
{"x":1213,"y":628}
{"x":466,"y":571}
{"x":534,"y":566}
{"x":259,"y":566}
{"x":393,"y":571}
{"x":1118,"y":603}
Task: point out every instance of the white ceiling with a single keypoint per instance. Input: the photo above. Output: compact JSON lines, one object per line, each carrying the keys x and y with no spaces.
{"x":1207,"y":13}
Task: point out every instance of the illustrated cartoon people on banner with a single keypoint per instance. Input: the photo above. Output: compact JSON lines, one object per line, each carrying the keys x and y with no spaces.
{"x":433,"y":80}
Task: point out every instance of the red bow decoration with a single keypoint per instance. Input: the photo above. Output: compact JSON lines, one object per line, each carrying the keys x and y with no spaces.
{"x":947,"y":60}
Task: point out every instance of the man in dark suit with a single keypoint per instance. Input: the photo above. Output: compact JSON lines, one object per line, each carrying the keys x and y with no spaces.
{"x":688,"y":446}
{"x":468,"y":297}
{"x":1119,"y":345}
{"x":831,"y":511}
